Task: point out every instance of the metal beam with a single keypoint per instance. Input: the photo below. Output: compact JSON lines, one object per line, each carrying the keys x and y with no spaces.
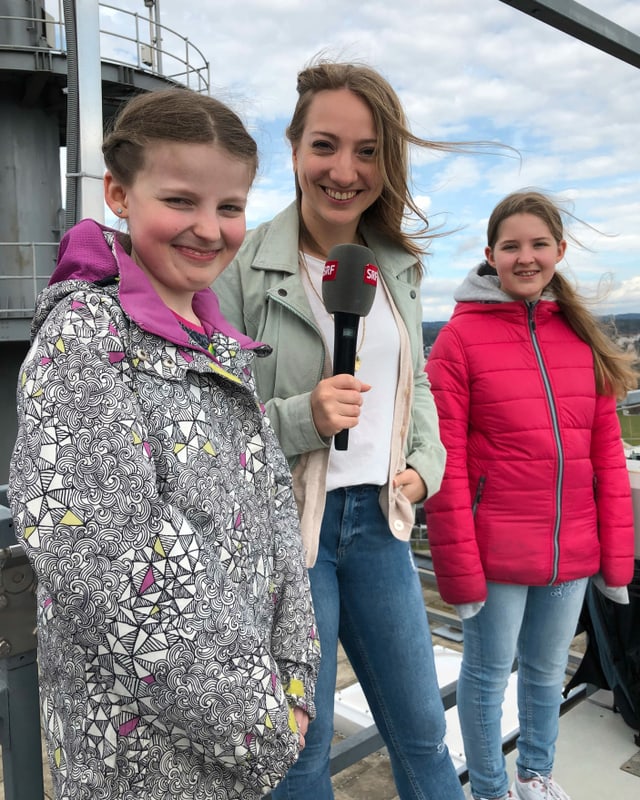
{"x":585,"y":25}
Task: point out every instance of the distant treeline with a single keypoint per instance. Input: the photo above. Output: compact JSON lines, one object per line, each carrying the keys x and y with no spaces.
{"x":429,"y":332}
{"x":620,"y":325}
{"x":624,"y":324}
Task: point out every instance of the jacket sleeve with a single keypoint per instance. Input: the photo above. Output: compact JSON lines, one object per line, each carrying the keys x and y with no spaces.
{"x":293,"y":422}
{"x":80,"y":423}
{"x":426,"y":452}
{"x":450,"y":525}
{"x":242,"y":299}
{"x":294,"y":640}
{"x":613,"y":495}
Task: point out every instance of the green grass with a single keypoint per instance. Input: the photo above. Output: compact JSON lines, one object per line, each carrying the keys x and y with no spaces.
{"x":630,"y":425}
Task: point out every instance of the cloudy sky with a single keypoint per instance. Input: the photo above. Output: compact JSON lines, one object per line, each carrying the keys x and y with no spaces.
{"x":465,"y":70}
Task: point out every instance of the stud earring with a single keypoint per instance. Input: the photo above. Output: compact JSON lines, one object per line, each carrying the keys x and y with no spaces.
{"x":118,"y":210}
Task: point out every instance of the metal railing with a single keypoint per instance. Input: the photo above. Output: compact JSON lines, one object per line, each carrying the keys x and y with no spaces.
{"x":126,"y":38}
{"x":33,"y":263}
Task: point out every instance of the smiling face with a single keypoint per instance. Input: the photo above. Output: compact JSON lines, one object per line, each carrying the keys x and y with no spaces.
{"x":186,"y":216}
{"x":335,"y":163}
{"x":525,"y":255}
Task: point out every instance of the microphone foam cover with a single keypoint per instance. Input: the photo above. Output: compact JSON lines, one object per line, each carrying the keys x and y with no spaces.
{"x":349,"y":280}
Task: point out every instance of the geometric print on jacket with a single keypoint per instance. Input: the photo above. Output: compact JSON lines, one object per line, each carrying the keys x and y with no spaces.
{"x":175,"y":622}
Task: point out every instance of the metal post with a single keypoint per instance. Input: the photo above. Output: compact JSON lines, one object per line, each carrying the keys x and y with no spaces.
{"x":158,"y":36}
{"x":20,"y":728}
{"x":90,"y":185}
{"x":585,"y":25}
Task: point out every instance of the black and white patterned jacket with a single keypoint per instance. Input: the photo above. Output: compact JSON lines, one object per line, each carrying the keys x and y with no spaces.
{"x":176,"y":629}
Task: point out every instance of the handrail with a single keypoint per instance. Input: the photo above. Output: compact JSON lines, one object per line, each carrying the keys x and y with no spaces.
{"x":32,"y":278}
{"x":126,"y":39}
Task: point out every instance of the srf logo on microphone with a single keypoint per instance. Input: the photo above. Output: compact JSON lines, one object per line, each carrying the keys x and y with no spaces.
{"x":330,"y":272}
{"x":370,"y":274}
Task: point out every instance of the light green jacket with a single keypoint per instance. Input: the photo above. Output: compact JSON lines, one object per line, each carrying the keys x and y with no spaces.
{"x":261,"y":293}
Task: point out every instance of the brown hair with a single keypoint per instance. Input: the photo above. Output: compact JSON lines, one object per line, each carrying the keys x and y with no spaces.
{"x":394,"y":137}
{"x":176,"y":115}
{"x":614,"y":370}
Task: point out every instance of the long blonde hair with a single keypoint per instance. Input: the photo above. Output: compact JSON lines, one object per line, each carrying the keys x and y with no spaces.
{"x":614,"y":370}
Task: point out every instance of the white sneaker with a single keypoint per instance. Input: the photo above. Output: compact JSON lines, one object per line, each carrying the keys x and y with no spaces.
{"x":508,"y":796}
{"x":539,"y":788}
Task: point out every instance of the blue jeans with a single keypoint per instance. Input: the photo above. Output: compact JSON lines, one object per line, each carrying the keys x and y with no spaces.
{"x":536,"y":624}
{"x":366,"y":591}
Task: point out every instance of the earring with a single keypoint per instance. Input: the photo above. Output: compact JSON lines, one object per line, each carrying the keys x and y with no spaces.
{"x":118,"y":210}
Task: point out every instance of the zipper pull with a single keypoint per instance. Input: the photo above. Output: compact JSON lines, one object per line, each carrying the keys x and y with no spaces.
{"x":531,"y":310}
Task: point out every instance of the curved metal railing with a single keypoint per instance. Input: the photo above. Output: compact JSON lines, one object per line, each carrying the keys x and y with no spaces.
{"x":126,"y":38}
{"x":33,"y":263}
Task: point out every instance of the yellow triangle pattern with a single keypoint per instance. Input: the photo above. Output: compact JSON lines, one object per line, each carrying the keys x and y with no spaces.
{"x":70,"y":519}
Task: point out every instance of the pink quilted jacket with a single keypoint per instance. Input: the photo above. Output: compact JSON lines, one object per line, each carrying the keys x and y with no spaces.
{"x":536,"y":489}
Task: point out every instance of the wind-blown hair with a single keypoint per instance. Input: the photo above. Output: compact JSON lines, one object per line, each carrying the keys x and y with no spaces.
{"x":615,"y":374}
{"x":395,"y":203}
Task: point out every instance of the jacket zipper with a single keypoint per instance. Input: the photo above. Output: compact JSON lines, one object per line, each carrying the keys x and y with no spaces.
{"x":531,"y":307}
{"x":478,"y":495}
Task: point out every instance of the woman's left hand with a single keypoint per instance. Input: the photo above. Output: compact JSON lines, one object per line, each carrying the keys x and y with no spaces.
{"x":411,"y":485}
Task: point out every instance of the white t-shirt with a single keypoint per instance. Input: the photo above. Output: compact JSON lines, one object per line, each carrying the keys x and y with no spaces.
{"x":366,"y":459}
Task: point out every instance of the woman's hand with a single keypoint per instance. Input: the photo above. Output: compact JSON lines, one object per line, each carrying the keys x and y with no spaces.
{"x":411,"y":485}
{"x":302,"y":720}
{"x":336,"y":402}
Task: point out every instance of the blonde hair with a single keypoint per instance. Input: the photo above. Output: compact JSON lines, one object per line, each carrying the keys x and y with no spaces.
{"x":614,"y":371}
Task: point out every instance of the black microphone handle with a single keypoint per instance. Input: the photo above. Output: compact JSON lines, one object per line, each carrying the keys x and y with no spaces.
{"x":345,"y":345}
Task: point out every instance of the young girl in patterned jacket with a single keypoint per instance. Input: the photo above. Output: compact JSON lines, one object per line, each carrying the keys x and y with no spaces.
{"x":177,"y":641}
{"x":535,"y":497}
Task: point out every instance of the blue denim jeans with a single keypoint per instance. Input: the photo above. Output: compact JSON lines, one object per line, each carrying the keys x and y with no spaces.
{"x":366,"y":591}
{"x":536,"y":624}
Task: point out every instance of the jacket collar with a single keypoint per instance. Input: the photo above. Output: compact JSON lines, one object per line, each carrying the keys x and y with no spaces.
{"x":279,"y":249}
{"x":92,"y":252}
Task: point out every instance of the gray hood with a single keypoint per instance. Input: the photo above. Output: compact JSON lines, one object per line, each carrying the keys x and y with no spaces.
{"x":482,"y":285}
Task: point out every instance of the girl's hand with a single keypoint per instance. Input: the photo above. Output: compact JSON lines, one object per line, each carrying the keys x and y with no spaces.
{"x":336,"y":402}
{"x":411,"y":485}
{"x":302,"y":720}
